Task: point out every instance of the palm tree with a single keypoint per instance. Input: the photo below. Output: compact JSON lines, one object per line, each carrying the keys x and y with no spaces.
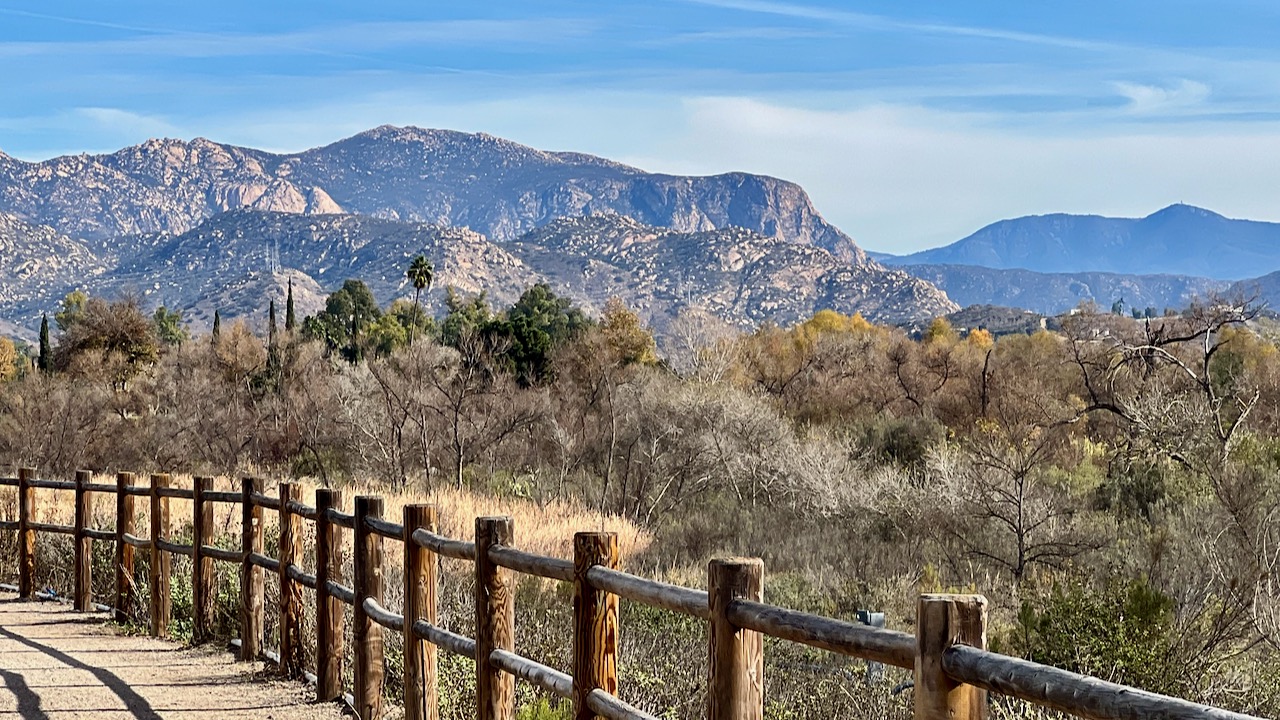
{"x":420,"y":273}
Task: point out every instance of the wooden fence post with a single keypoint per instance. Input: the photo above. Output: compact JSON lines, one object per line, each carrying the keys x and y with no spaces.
{"x":420,"y":688}
{"x":495,"y":622}
{"x":26,"y":536}
{"x":201,"y":564}
{"x":736,"y":690}
{"x":124,"y":551}
{"x":367,"y":634}
{"x":291,"y":660}
{"x":943,"y":621}
{"x":251,"y":580}
{"x":83,"y":543}
{"x":595,"y":622}
{"x":161,"y":607}
{"x":329,"y":613}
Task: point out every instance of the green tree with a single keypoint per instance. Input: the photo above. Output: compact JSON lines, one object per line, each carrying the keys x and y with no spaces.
{"x":348,"y":313}
{"x":168,"y":327}
{"x":421,"y":272}
{"x":45,"y":361}
{"x":217,"y":326}
{"x":536,"y":324}
{"x":466,"y":316}
{"x":290,"y":319}
{"x":71,"y":311}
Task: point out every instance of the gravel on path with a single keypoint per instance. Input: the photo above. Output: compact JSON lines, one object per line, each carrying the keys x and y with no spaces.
{"x":57,"y":664}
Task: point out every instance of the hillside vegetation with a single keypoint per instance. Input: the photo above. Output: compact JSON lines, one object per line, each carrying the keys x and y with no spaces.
{"x":1112,"y":487}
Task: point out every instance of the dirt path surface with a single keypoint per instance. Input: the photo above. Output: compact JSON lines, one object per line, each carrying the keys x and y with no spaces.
{"x":63,"y":665}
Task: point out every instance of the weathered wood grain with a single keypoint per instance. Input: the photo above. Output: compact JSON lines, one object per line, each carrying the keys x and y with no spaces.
{"x":736,"y":689}
{"x":366,"y":634}
{"x":252,"y":586}
{"x":201,"y":563}
{"x":595,"y":621}
{"x":83,"y":544}
{"x":26,"y":534}
{"x":941,"y":622}
{"x":420,"y":687}
{"x":161,"y":561}
{"x":124,"y":551}
{"x":329,"y":616}
{"x":291,"y":648}
{"x":495,"y":622}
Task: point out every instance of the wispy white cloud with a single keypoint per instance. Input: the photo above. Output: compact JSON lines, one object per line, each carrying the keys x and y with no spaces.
{"x":336,"y":40}
{"x":887,"y":23}
{"x":1152,"y":99}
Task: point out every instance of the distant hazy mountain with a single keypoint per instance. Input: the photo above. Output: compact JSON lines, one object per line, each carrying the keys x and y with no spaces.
{"x":1178,"y":240}
{"x":1053,"y":293}
{"x":493,"y":186}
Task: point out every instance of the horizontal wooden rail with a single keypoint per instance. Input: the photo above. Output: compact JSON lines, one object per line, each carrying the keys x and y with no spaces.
{"x":52,"y":484}
{"x":454,"y":643}
{"x":651,"y":592}
{"x":863,"y":641}
{"x":265,"y":562}
{"x":266,"y":501}
{"x":96,"y":534}
{"x":341,"y":519}
{"x":441,"y":545}
{"x":385,"y":528}
{"x":612,"y":707}
{"x":1069,"y":692}
{"x":223,"y":497}
{"x":222,"y":554}
{"x":297,"y":574}
{"x":536,"y":673}
{"x":306,"y":511}
{"x":383,"y":616}
{"x":135,"y":541}
{"x":175,"y":548}
{"x":13,"y":525}
{"x":52,"y":528}
{"x":9,"y":481}
{"x":133,"y":490}
{"x":530,"y":564}
{"x":175,"y":492}
{"x":342,"y":592}
{"x":100,"y":487}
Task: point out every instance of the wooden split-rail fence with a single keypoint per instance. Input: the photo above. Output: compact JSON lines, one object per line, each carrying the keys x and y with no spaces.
{"x":953,"y":669}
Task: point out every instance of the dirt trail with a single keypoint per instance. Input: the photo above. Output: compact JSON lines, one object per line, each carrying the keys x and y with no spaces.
{"x":62,"y":665}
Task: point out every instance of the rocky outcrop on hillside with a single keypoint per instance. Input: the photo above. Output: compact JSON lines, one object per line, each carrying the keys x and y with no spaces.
{"x":493,"y":186}
{"x":39,"y":262}
{"x":742,"y":276}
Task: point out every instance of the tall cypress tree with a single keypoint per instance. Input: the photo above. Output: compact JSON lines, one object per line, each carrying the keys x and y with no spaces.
{"x":45,"y":361}
{"x":217,"y":325}
{"x":290,"y":320}
{"x":271,"y":321}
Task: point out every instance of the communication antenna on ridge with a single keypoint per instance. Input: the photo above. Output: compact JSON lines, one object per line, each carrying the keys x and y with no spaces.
{"x":273,"y":257}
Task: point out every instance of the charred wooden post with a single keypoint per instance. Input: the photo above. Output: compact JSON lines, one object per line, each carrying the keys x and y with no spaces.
{"x":420,"y":688}
{"x":26,"y":536}
{"x":201,"y":564}
{"x":736,"y":690}
{"x":124,"y":551}
{"x":595,"y":622}
{"x":943,"y":621}
{"x":291,"y":659}
{"x":83,"y":544}
{"x":251,"y":580}
{"x":329,"y":613}
{"x":367,"y":634}
{"x":495,"y":622}
{"x":161,"y":563}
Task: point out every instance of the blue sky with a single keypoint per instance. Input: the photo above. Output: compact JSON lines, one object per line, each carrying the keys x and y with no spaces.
{"x":910,"y":124}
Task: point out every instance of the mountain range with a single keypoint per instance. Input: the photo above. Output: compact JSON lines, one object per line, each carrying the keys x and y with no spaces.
{"x":1050,"y":263}
{"x":200,"y":226}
